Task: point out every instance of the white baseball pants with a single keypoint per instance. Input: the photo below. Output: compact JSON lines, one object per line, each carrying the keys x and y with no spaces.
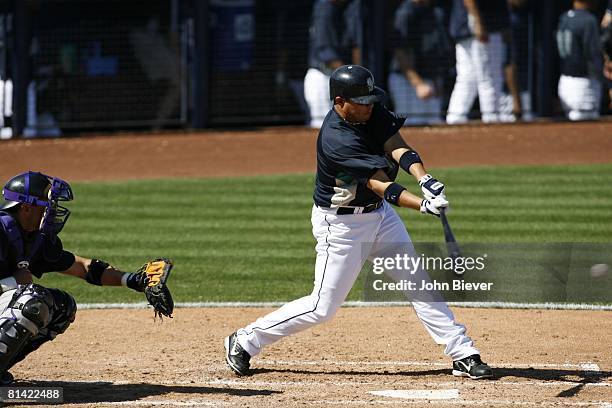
{"x":406,"y":102}
{"x":344,"y":242}
{"x":479,"y":71}
{"x":6,"y":107}
{"x":580,"y":97}
{"x":316,"y":93}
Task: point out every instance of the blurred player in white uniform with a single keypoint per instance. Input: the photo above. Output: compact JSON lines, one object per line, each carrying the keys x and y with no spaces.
{"x":476,"y":26}
{"x":578,"y":44}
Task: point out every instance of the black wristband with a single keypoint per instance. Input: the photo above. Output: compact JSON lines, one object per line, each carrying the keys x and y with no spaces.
{"x":393,"y":192}
{"x":136,"y":281}
{"x":94,"y":272}
{"x":408,"y":159}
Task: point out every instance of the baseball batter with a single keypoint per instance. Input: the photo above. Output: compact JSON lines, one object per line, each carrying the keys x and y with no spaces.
{"x":581,"y":62}
{"x":359,"y":150}
{"x":31,"y":217}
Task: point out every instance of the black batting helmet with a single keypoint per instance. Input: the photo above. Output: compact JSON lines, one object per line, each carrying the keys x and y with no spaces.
{"x":355,"y":83}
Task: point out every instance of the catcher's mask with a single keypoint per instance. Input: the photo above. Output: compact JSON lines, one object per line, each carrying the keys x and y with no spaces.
{"x":38,"y":189}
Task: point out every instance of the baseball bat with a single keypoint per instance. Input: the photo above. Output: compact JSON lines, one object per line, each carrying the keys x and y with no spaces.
{"x":451,"y":243}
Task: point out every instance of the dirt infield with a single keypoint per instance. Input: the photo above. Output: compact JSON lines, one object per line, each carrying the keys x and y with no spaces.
{"x":121,"y":358}
{"x":289,"y":150}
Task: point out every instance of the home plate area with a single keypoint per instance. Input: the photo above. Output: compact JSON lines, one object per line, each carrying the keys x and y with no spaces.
{"x":353,"y":384}
{"x":378,"y":383}
{"x":553,"y":358}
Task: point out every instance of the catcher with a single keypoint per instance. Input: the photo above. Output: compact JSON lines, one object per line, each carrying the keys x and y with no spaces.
{"x":31,"y":218}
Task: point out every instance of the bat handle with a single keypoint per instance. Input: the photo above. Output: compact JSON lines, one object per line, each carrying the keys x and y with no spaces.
{"x":443,"y":212}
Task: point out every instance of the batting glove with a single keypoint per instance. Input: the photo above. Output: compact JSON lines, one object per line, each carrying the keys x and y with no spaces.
{"x":431,"y":187}
{"x":433,"y":206}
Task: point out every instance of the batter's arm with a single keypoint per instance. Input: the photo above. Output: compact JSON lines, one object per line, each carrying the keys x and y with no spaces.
{"x":396,"y":146}
{"x":379,"y":182}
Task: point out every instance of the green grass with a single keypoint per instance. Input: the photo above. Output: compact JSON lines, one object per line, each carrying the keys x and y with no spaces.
{"x":249,"y":238}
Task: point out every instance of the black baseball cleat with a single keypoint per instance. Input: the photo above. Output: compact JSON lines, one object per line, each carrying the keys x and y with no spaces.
{"x":472,"y":367}
{"x":6,"y":378}
{"x":237,"y":358}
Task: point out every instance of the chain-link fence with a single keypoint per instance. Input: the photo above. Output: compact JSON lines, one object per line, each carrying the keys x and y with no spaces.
{"x":115,"y":64}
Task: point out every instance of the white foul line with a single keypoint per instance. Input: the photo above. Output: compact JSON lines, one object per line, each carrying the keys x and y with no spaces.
{"x":485,"y":402}
{"x":495,"y":305}
{"x":247,"y":383}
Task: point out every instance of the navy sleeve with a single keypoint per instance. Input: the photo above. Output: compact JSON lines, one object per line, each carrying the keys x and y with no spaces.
{"x":397,"y":37}
{"x":65,"y":261}
{"x":54,"y":259}
{"x":383,"y":124}
{"x":352,"y":16}
{"x":325,"y":35}
{"x":403,"y":16}
{"x":592,"y":49}
{"x":411,"y":24}
{"x":413,"y":31}
{"x":458,"y":24}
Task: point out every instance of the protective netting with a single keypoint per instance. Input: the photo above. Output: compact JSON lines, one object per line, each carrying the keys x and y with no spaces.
{"x":133,"y":63}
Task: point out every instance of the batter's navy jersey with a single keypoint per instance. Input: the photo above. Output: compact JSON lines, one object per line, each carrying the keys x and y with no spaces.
{"x":328,"y":38}
{"x":579,"y":44}
{"x":51,"y":257}
{"x":422,"y":29}
{"x":349,"y":154}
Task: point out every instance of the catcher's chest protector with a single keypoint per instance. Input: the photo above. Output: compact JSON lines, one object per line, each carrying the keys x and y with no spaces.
{"x":14,"y":236}
{"x":22,"y":260}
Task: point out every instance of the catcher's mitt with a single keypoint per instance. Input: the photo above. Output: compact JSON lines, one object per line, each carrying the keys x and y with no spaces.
{"x":157,"y":293}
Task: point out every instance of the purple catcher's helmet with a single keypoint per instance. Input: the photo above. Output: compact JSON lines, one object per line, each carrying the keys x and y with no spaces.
{"x":39,"y":189}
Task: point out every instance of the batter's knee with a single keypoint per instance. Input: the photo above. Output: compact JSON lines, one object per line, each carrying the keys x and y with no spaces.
{"x":326,"y":312}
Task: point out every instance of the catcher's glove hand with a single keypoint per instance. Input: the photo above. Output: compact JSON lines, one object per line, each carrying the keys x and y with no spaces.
{"x":157,"y":293}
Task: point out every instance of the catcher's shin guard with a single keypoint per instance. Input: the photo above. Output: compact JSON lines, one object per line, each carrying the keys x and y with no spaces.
{"x":63,"y":312}
{"x":27,"y":313}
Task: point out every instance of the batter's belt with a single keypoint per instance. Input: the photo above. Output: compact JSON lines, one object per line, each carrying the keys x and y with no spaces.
{"x":359,"y":210}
